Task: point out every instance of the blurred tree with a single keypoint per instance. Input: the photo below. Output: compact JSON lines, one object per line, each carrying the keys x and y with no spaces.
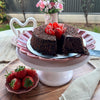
{"x":21,"y":2}
{"x":2,"y":11}
{"x":86,"y":6}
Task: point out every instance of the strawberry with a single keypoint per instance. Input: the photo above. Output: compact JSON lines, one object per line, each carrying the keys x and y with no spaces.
{"x":31,"y":72}
{"x":55,"y":25}
{"x":27,"y":82}
{"x":20,"y":72}
{"x":50,"y":24}
{"x":55,"y":29}
{"x":51,"y":32}
{"x":15,"y":84}
{"x":10,"y":76}
{"x":58,"y":32}
{"x":61,"y":26}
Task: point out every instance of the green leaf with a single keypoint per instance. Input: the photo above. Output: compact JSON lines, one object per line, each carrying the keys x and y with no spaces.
{"x":12,"y":83}
{"x":20,"y":68}
{"x":7,"y":73}
{"x":28,"y":83}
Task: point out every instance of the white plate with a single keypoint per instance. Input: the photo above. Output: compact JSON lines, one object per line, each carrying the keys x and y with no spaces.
{"x":58,"y":56}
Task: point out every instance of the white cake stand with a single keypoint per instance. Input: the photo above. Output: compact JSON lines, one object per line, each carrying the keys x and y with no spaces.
{"x":52,"y":72}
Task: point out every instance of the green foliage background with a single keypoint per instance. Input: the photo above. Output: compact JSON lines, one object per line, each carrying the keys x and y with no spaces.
{"x":2,"y":11}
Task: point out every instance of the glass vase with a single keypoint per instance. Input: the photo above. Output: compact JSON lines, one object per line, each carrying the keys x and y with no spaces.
{"x":50,"y":18}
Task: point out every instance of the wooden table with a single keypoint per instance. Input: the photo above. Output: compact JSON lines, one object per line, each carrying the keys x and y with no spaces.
{"x":42,"y":92}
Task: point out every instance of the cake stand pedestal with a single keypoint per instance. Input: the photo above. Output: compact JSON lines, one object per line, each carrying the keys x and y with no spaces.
{"x":55,"y":78}
{"x":53,"y":72}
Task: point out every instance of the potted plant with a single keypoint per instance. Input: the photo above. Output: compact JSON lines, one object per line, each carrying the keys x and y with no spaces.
{"x":51,"y":9}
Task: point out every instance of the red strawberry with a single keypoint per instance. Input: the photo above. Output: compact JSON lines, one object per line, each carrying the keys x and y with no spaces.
{"x":10,"y":76}
{"x":55,"y":29}
{"x":31,"y":72}
{"x":55,"y":25}
{"x":50,"y":24}
{"x":15,"y":84}
{"x":20,"y":72}
{"x":51,"y":32}
{"x":61,"y":26}
{"x":27,"y":82}
{"x":58,"y":32}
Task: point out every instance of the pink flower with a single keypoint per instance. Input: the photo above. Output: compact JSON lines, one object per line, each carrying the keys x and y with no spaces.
{"x":49,"y":6}
{"x":38,"y":4}
{"x":52,"y":4}
{"x":41,"y":9}
{"x":60,"y":6}
{"x":45,"y":5}
{"x":42,"y":5}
